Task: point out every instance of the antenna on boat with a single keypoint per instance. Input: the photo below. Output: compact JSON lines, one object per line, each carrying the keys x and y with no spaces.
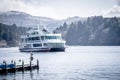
{"x":38,"y":28}
{"x":41,"y":26}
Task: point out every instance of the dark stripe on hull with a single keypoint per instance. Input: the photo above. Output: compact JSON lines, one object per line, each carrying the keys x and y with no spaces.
{"x":35,"y":50}
{"x":57,"y":49}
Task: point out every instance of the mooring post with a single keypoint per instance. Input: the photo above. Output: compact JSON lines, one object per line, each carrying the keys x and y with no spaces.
{"x":31,"y":58}
{"x":5,"y":67}
{"x":12,"y":66}
{"x":23,"y":65}
{"x":11,"y":61}
{"x":37,"y":64}
{"x":14,"y":69}
{"x":30,"y":65}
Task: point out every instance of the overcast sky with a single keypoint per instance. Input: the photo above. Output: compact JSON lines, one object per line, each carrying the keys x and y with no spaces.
{"x":60,"y":9}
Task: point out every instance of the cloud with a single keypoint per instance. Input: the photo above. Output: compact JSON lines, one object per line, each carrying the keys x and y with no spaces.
{"x":114,"y":11}
{"x":28,"y":7}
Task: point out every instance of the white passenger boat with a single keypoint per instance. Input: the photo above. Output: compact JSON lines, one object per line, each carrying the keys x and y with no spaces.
{"x":37,"y":40}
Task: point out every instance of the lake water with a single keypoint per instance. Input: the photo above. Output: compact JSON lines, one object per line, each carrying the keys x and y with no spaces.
{"x":76,"y":63}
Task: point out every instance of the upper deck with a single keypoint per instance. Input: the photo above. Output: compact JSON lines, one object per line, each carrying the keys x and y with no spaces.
{"x":39,"y":32}
{"x":36,"y":35}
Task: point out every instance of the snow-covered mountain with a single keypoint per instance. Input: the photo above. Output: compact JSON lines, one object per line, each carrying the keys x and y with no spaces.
{"x":23,"y":19}
{"x":27,"y":20}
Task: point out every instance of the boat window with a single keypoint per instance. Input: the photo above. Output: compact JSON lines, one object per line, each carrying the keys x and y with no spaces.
{"x":33,"y":38}
{"x":36,"y":38}
{"x":52,"y":37}
{"x":45,"y":44}
{"x":34,"y":33}
{"x":29,"y":39}
{"x":37,"y":45}
{"x":28,"y":46}
{"x":42,"y":37}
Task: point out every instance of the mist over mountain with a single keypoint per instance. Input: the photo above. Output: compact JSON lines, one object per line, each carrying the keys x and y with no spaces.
{"x":95,"y":30}
{"x":27,"y":20}
{"x":23,"y":19}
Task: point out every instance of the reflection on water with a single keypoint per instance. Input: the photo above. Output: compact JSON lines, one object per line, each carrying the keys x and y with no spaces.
{"x":76,"y":63}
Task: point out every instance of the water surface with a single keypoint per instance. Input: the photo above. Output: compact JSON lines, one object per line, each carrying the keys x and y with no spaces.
{"x":76,"y":63}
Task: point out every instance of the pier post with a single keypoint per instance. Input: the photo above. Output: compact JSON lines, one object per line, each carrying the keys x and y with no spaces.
{"x":31,"y":59}
{"x":5,"y":67}
{"x":23,"y":65}
{"x":37,"y":64}
{"x":14,"y":69}
{"x":30,"y":65}
{"x":11,"y":61}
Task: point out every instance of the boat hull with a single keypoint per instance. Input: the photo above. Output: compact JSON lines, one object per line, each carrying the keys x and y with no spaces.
{"x":42,"y":49}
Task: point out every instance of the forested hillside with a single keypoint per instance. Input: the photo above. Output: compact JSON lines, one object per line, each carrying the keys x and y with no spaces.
{"x":10,"y":34}
{"x":94,"y":31}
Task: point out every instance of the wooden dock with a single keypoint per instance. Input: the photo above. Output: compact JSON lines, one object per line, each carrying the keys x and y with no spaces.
{"x":12,"y":67}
